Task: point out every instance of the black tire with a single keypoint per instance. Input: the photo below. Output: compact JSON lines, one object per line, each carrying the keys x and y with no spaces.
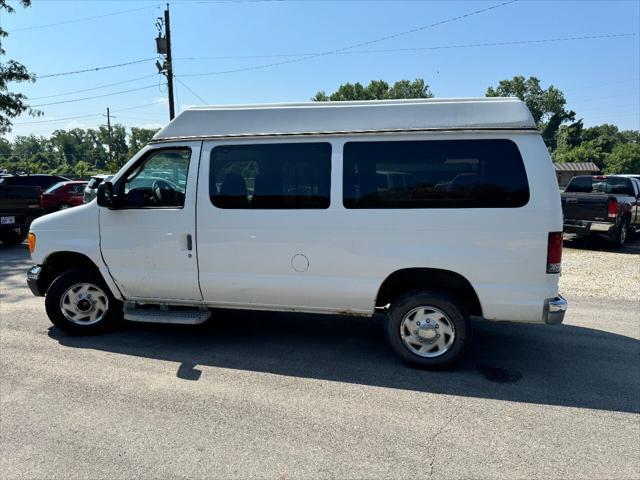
{"x":63,"y":206}
{"x":621,"y":235}
{"x":60,"y":287}
{"x":12,"y":237}
{"x":454,"y":314}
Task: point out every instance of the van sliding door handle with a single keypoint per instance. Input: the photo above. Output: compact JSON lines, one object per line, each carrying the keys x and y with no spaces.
{"x":189,"y":242}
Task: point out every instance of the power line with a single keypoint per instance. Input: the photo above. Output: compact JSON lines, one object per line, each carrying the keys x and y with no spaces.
{"x":94,"y":69}
{"x":515,"y":42}
{"x":148,"y":120}
{"x":194,"y":93}
{"x":66,"y":22}
{"x":361,"y":44}
{"x":597,"y":108}
{"x":87,"y":115}
{"x":437,"y":47}
{"x":593,"y":99}
{"x":93,"y":88}
{"x":635,"y":79}
{"x":636,"y":114}
{"x":95,"y":96}
{"x":409,"y":49}
{"x":126,"y":109}
{"x":54,"y":120}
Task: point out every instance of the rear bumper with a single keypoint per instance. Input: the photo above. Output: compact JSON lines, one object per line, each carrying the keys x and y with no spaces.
{"x":33,"y":280}
{"x":584,"y":227}
{"x":554,"y":310}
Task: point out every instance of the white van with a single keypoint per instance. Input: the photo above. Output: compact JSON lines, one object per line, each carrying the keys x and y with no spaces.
{"x":427,"y":211}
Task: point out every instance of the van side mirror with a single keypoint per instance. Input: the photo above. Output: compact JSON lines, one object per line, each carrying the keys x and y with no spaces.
{"x":105,"y":195}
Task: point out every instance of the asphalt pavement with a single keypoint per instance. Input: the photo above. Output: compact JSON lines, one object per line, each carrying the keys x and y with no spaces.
{"x":266,"y":395}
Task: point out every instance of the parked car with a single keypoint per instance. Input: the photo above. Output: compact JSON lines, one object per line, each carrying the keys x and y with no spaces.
{"x":63,"y":195}
{"x":42,"y":181}
{"x":279,"y":207}
{"x":19,"y":206}
{"x":91,"y":189}
{"x":603,"y":205}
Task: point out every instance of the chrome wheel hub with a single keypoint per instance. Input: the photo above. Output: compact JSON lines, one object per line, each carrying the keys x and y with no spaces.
{"x":427,"y":331}
{"x":84,"y":304}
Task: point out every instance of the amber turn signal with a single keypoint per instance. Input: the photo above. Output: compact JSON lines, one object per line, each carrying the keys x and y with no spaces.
{"x":31,"y":240}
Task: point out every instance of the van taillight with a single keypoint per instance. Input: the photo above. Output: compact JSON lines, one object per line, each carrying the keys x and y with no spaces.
{"x":612,"y":208}
{"x":554,"y":252}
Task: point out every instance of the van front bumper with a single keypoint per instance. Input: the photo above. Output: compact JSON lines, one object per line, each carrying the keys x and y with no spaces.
{"x":554,"y":310}
{"x":33,"y":280}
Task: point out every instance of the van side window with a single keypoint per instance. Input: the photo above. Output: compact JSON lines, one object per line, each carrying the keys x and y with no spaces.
{"x":434,"y":174}
{"x":160,"y":181}
{"x":271,"y":176}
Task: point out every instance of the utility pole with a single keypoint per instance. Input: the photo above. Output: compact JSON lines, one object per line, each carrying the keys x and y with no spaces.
{"x":163,"y":48}
{"x":167,"y":30}
{"x":109,"y":132}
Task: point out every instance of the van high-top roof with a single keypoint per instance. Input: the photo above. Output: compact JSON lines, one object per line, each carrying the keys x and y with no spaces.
{"x":323,"y":118}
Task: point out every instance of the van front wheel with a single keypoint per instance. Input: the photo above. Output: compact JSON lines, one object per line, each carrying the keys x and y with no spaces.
{"x":80,"y":303}
{"x":427,"y":329}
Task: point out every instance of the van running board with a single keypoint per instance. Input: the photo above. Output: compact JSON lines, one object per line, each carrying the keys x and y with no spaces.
{"x":164,"y":314}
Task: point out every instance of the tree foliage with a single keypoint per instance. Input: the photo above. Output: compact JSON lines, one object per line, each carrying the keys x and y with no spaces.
{"x":612,"y":150}
{"x":547,"y":106}
{"x":624,"y":158}
{"x":77,"y":151}
{"x":377,"y":90}
{"x":12,"y":104}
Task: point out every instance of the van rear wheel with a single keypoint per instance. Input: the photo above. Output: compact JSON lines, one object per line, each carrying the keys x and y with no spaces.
{"x":427,"y":329}
{"x":80,"y":303}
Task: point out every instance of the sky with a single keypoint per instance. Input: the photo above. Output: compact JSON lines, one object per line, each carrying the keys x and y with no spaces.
{"x":263,"y":51}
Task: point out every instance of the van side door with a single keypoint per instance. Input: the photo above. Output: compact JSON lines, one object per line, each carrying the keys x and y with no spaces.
{"x":265,"y":236}
{"x":148,"y":241}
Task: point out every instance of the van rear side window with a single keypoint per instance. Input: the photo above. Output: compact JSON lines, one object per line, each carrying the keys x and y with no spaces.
{"x":271,"y":176}
{"x":434,"y":174}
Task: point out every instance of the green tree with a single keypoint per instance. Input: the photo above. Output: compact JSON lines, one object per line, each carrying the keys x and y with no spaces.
{"x":377,"y":90}
{"x":5,"y":148}
{"x":547,"y":106}
{"x":119,"y":147}
{"x":625,"y":158}
{"x":12,"y":104}
{"x":597,"y":144}
{"x":81,"y":168}
{"x":139,"y":138}
{"x":68,"y":145}
{"x":569,"y":136}
{"x":582,"y":153}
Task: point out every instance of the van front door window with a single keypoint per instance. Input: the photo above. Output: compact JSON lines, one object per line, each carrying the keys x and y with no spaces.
{"x":159,"y":181}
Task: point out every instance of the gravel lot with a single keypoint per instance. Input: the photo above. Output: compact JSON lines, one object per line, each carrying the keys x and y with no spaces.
{"x":297,"y":396}
{"x":591,"y":269}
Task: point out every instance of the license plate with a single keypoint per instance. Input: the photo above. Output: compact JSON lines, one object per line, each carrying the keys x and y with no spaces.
{"x":7,"y":220}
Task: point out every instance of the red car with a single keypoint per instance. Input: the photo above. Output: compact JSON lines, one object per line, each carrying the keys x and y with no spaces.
{"x":62,"y":195}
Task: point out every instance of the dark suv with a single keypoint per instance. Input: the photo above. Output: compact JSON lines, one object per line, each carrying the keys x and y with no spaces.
{"x":42,"y":181}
